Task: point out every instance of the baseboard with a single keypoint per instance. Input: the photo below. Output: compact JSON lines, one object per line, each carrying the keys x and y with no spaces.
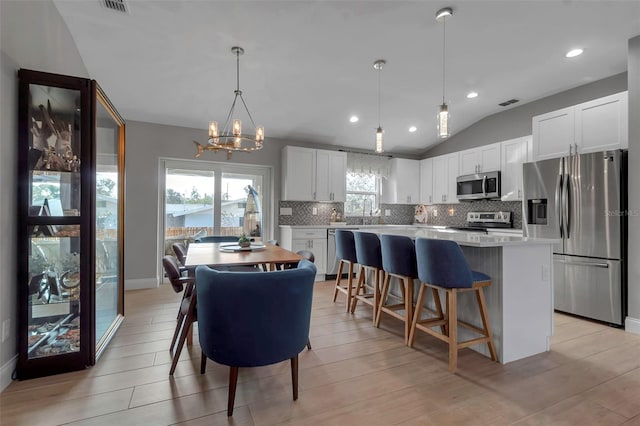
{"x":632,"y":325}
{"x":6,"y":371}
{"x":141,"y":283}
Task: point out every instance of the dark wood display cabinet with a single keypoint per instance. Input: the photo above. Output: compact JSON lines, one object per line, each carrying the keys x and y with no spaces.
{"x":70,"y":223}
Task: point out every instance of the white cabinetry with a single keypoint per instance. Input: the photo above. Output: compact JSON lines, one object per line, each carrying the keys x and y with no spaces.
{"x":403,"y":184}
{"x":312,"y":239}
{"x":515,"y":153}
{"x":482,"y":159}
{"x":591,"y":126}
{"x":602,"y":124}
{"x":426,"y":181}
{"x":445,"y":172}
{"x":313,"y":174}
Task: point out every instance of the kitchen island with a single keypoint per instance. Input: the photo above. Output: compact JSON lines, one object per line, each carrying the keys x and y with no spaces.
{"x":520,"y":299}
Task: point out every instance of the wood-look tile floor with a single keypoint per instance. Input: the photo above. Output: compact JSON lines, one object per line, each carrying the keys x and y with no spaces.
{"x":355,"y":374}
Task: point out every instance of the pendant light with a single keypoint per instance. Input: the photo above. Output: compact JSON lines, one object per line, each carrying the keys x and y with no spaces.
{"x":378,"y":65}
{"x":443,"y":111}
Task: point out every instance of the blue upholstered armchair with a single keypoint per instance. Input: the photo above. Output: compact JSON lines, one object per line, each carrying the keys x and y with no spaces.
{"x":250,"y":319}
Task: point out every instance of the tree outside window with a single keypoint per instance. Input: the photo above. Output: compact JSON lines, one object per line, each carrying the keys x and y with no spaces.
{"x":363,"y":193}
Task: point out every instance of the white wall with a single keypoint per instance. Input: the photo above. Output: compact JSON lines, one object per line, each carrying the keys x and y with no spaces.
{"x":633,"y":319}
{"x":33,"y":36}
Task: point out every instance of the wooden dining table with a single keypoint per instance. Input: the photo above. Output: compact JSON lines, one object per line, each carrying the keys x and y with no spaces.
{"x":214,"y":255}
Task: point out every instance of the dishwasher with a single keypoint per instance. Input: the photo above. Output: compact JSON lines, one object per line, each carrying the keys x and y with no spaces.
{"x":332,"y":260}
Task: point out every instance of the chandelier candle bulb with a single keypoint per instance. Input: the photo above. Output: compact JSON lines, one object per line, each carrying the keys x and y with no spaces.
{"x":213,"y":129}
{"x":260,"y":134}
{"x":237,"y":127}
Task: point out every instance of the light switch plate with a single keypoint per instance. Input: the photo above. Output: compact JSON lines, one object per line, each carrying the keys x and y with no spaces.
{"x":286,"y":211}
{"x":314,"y":211}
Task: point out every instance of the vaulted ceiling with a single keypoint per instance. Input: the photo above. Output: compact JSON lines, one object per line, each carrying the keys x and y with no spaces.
{"x":308,"y":65}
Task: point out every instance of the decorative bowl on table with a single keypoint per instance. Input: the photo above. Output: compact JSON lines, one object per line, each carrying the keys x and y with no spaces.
{"x":244,"y":244}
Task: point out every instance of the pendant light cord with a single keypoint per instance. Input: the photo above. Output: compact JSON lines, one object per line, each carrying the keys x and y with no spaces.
{"x":444,"y":41}
{"x":379,"y":102}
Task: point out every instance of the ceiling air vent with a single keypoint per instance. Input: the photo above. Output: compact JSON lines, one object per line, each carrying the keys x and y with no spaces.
{"x":116,"y":5}
{"x":509,"y":102}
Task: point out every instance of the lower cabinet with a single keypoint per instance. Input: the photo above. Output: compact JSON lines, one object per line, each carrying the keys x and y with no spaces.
{"x":312,"y":239}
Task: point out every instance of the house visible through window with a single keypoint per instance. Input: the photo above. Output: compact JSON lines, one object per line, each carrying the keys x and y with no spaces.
{"x":363,"y":193}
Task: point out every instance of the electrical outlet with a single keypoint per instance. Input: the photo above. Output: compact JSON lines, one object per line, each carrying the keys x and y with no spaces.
{"x":286,"y":211}
{"x":6,"y":329}
{"x":387,"y":212}
{"x":435,"y":213}
{"x":314,"y":211}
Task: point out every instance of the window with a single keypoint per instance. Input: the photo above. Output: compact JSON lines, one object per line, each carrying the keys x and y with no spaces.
{"x":363,"y":193}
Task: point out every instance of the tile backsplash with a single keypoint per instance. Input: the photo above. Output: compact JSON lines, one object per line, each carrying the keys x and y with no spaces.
{"x":400,"y":214}
{"x":456,"y":214}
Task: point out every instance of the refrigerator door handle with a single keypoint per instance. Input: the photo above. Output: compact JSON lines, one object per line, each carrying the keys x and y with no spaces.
{"x":566,"y":206}
{"x":597,"y":265}
{"x":558,"y":204}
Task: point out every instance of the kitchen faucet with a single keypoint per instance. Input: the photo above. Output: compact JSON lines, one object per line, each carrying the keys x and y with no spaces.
{"x":364,"y":209}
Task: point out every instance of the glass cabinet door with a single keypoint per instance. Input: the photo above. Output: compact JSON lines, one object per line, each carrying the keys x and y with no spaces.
{"x":108,"y":253}
{"x":70,"y":223}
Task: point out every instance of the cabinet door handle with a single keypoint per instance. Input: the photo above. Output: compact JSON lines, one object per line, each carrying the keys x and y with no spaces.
{"x":576,"y":148}
{"x":430,"y":198}
{"x":519,"y":193}
{"x":570,"y":149}
{"x":314,"y":195}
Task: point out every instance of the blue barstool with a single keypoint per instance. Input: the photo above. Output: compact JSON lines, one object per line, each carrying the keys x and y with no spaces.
{"x":346,"y":254}
{"x":442,"y":266}
{"x":398,"y":260}
{"x":369,"y":256}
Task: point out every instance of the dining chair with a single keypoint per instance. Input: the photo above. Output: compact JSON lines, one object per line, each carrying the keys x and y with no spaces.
{"x":251,"y":320}
{"x":346,"y":255}
{"x":443,"y":267}
{"x":369,"y":256}
{"x":398,"y":261}
{"x":187,"y":313}
{"x":180,"y":250}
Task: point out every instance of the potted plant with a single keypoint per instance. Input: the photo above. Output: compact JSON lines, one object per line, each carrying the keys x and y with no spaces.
{"x":244,"y":241}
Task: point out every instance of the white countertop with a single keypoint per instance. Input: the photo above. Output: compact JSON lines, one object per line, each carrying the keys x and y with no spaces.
{"x":472,"y":239}
{"x":464,"y":238}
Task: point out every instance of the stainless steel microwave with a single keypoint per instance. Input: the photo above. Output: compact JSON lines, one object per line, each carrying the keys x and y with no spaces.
{"x":479,"y":186}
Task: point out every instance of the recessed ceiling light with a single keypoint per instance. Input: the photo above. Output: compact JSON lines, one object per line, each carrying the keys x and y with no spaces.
{"x":354,"y":119}
{"x":413,"y":129}
{"x":573,"y":53}
{"x":472,"y":95}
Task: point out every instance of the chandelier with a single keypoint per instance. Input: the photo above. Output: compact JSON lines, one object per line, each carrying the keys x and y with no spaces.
{"x":443,"y":110}
{"x":231,"y":137}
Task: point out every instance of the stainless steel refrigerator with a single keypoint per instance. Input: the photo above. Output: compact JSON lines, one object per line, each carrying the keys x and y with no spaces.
{"x":582,"y":200}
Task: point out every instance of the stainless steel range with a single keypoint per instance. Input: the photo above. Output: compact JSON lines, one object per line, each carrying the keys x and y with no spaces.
{"x":481,"y":221}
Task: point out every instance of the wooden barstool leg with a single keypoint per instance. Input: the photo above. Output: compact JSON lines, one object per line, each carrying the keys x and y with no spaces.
{"x":360,"y":286}
{"x":436,"y":299}
{"x":485,"y":322}
{"x":350,"y":287}
{"x":376,"y":292}
{"x":452,"y":313}
{"x":416,"y":315}
{"x":383,"y":297}
{"x":338,"y":279}
{"x":408,"y":307}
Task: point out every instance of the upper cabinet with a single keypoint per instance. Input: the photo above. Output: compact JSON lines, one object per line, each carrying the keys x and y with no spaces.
{"x":403,"y":184}
{"x":482,"y":159}
{"x":331,"y":172}
{"x":313,"y":174}
{"x":515,"y":153}
{"x":426,"y":181}
{"x":445,"y":172}
{"x":592,"y":126}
